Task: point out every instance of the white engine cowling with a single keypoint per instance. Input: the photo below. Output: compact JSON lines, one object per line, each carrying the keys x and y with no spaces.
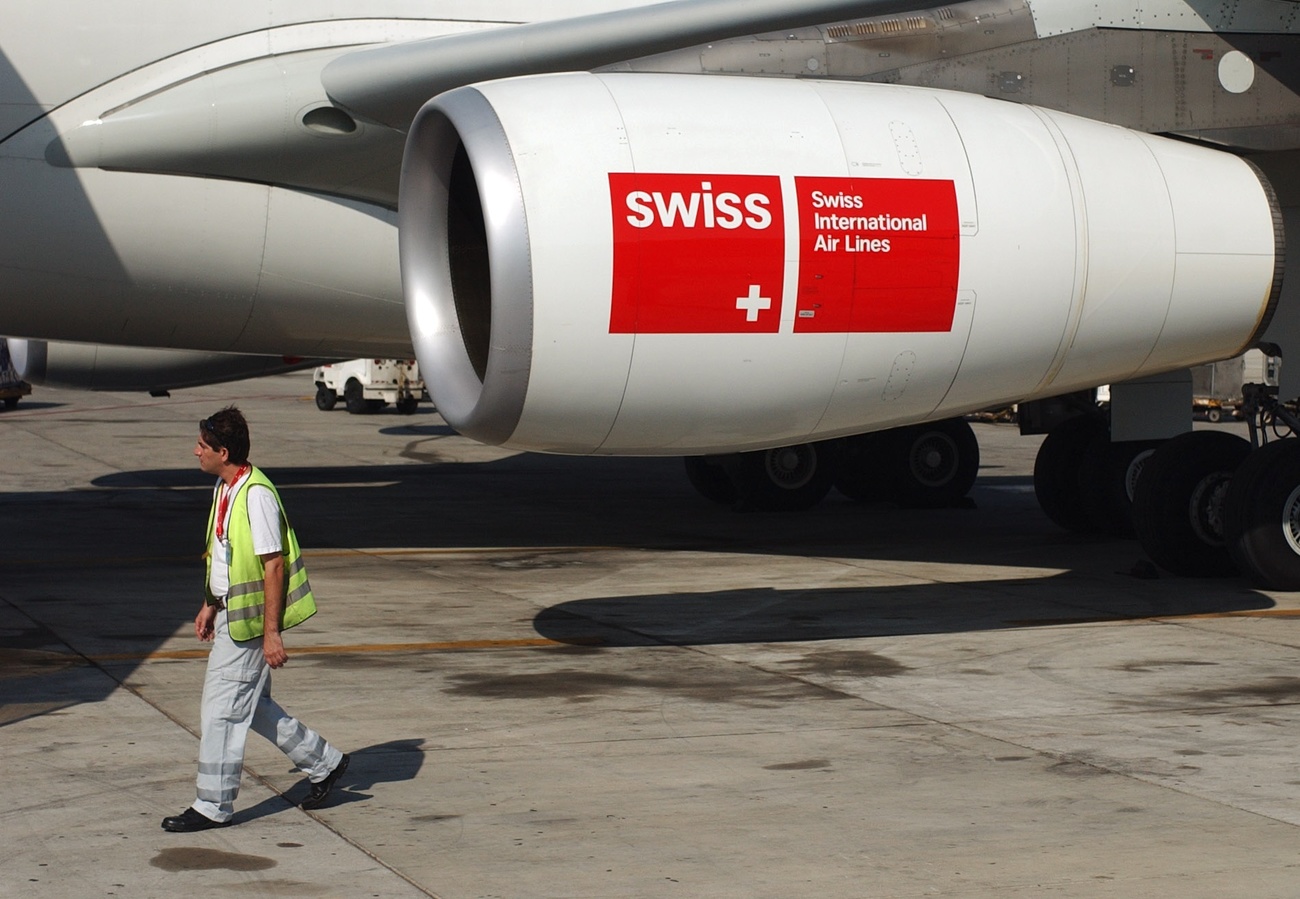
{"x":663,"y":264}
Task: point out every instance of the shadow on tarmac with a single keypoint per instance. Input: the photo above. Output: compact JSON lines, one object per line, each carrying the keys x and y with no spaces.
{"x":766,"y":615}
{"x":151,"y":558}
{"x":389,"y":762}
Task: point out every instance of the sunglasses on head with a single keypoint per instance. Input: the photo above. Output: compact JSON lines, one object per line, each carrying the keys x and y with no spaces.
{"x":206,"y":426}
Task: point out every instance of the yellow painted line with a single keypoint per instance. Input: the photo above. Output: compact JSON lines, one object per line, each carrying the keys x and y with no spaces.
{"x":1244,"y":613}
{"x":443,"y":646}
{"x":1240,"y":613}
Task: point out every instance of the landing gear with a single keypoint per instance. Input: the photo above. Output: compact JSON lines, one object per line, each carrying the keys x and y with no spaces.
{"x":930,"y":466}
{"x":1178,"y":506}
{"x":1084,"y":482}
{"x":860,"y":476}
{"x":926,"y":466}
{"x":922,"y":466}
{"x":1108,"y":477}
{"x":407,"y":405}
{"x":1057,"y":482}
{"x":708,"y":475}
{"x":785,"y":479}
{"x":1262,"y":515}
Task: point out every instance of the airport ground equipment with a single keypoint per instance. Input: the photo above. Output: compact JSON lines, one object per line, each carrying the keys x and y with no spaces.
{"x":12,"y":387}
{"x":1217,"y":387}
{"x":369,"y":384}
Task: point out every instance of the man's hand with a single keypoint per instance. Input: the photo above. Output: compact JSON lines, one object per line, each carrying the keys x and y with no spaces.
{"x":273,"y":650}
{"x":204,"y":623}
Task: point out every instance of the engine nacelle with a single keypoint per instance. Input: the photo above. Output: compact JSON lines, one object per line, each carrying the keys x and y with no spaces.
{"x":85,"y":366}
{"x":642,"y":264}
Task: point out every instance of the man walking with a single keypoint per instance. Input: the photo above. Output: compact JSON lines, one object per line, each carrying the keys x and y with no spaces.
{"x":256,"y":588}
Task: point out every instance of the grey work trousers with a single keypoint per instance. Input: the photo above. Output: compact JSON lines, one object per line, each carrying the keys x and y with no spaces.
{"x":236,"y":696}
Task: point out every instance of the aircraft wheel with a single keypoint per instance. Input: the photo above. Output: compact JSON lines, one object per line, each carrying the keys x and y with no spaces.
{"x":932,"y":465}
{"x":354,"y":397}
{"x":785,"y":479}
{"x":1262,"y":516}
{"x":860,"y":476}
{"x":11,"y":402}
{"x":325,"y":398}
{"x":1108,"y":476}
{"x":709,"y":478}
{"x":1057,"y":468}
{"x":407,"y":405}
{"x":1178,"y":505}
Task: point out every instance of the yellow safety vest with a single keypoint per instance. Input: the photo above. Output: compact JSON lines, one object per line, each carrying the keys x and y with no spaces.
{"x":246,"y":601}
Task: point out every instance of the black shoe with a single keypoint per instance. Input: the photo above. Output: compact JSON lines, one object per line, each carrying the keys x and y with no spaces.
{"x":189,"y":821}
{"x":321,"y":791}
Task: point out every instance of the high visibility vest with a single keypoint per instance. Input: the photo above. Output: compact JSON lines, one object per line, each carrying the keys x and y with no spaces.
{"x":246,"y":601}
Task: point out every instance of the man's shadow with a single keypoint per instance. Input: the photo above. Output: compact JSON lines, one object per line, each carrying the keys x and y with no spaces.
{"x":389,"y":762}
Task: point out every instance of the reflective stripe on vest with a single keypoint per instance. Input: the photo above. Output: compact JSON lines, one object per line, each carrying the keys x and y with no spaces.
{"x":246,"y":601}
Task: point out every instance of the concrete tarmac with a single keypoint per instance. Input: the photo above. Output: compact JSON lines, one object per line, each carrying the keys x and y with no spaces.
{"x":575,"y":678}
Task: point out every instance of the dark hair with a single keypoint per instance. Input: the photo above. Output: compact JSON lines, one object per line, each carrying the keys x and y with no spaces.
{"x":227,"y":430}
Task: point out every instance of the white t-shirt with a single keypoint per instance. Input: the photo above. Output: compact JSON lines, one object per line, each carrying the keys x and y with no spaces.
{"x":263,"y":518}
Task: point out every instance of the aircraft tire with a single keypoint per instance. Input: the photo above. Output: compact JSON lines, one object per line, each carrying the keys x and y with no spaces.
{"x":1108,"y":476}
{"x":784,"y":479}
{"x":354,"y":397}
{"x":1262,"y":516}
{"x":860,"y":476}
{"x":930,"y":466}
{"x":407,"y":405}
{"x":708,"y":476}
{"x":325,"y":398}
{"x":1178,"y":506}
{"x":1057,"y":470}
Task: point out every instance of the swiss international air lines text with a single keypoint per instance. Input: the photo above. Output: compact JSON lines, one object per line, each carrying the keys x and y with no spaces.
{"x":706,"y":254}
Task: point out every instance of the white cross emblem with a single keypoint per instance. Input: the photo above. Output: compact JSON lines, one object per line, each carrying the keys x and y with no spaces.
{"x":752,"y":304}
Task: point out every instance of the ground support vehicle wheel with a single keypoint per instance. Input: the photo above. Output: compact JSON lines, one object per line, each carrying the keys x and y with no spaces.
{"x":1262,"y":516}
{"x":354,"y":397}
{"x":860,"y":476}
{"x":709,"y":477}
{"x":1108,"y":476}
{"x":930,"y":466}
{"x":785,"y":479}
{"x":1057,"y":468}
{"x":325,"y":398}
{"x":1178,"y":505}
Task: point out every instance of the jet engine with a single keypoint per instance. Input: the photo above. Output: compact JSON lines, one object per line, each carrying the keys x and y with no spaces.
{"x":665,"y":264}
{"x":83,"y":366}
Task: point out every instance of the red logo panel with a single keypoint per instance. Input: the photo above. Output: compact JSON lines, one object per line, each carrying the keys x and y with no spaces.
{"x":877,"y":255}
{"x":696,"y":254}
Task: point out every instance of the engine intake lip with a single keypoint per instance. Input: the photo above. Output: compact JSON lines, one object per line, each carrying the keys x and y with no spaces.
{"x":466,"y":264}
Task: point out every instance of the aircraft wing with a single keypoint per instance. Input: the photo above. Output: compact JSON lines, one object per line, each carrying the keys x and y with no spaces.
{"x":389,"y":84}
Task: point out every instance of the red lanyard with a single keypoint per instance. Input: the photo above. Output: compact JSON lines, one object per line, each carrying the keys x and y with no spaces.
{"x":225,"y":500}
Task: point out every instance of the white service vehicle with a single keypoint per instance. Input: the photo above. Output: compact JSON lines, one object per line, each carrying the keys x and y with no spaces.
{"x":369,"y":384}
